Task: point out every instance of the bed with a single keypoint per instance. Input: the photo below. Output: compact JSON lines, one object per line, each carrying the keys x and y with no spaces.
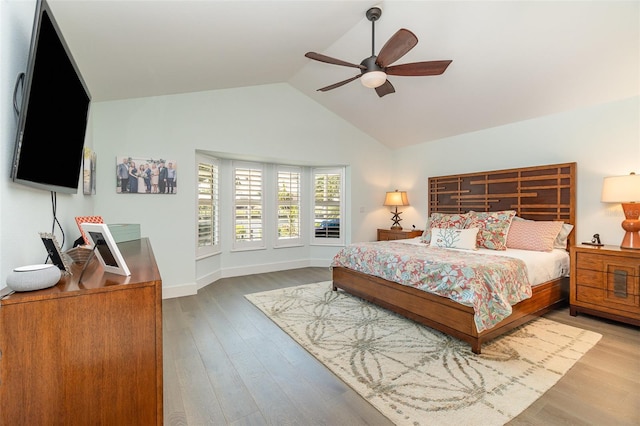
{"x":539,"y":193}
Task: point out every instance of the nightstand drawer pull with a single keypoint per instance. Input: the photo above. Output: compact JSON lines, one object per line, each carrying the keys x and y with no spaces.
{"x":620,"y":283}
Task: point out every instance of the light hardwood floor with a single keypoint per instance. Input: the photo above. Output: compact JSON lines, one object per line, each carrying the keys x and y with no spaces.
{"x":225,"y":363}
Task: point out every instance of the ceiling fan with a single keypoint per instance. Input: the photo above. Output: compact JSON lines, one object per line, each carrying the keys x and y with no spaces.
{"x":374,"y":69}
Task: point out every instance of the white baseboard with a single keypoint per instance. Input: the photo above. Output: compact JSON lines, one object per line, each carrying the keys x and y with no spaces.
{"x":208,"y":279}
{"x":319,"y":263}
{"x":181,"y":290}
{"x":189,"y":289}
{"x":264,"y":268}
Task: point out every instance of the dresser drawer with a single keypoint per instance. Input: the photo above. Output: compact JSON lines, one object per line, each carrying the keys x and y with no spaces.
{"x":614,"y":286}
{"x":600,"y":262}
{"x":390,"y":234}
{"x":608,"y":299}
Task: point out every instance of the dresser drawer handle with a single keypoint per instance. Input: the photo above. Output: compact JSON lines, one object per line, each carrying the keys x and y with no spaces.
{"x":620,"y":283}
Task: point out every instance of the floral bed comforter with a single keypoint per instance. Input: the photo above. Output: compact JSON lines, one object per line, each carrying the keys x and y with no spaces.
{"x":488,"y":283}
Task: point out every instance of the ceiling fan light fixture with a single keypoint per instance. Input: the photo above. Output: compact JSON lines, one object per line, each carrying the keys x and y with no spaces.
{"x":373,"y":79}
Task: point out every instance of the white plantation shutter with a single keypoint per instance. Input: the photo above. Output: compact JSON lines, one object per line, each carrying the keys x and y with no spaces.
{"x":208,"y":207}
{"x":288,"y":204}
{"x":328,"y":205}
{"x":248,"y":205}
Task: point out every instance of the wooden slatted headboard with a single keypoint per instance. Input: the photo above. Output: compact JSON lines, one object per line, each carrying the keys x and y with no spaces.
{"x":538,"y":193}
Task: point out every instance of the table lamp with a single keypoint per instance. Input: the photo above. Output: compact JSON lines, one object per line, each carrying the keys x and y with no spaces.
{"x":396,"y":198}
{"x":625,"y":190}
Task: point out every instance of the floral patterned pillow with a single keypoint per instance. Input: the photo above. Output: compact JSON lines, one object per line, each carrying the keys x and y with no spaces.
{"x":444,"y":221}
{"x":494,"y":227}
{"x":454,"y":238}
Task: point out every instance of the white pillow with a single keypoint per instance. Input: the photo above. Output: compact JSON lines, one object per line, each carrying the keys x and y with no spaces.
{"x":563,"y":236}
{"x":454,"y":238}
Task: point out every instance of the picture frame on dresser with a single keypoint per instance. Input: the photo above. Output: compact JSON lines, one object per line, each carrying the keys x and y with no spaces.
{"x":105,"y":248}
{"x":54,"y":252}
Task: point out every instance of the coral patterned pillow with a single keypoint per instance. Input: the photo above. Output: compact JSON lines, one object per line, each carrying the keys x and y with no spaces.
{"x":443,"y":221}
{"x":533,"y":235}
{"x":494,"y":227}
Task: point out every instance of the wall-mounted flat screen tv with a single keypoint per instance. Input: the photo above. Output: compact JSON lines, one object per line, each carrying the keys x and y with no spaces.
{"x":52,"y":118}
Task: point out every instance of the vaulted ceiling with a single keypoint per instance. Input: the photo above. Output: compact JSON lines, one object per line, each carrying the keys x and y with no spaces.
{"x":512,"y":60}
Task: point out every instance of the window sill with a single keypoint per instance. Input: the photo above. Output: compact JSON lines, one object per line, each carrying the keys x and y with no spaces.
{"x":281,"y":246}
{"x":206,"y":255}
{"x":336,"y":244}
{"x":247,"y":249}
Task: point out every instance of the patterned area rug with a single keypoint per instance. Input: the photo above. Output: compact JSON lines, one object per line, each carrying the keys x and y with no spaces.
{"x":415,"y":375}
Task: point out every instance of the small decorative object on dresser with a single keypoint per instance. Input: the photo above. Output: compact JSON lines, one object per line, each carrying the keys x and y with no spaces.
{"x":33,"y":277}
{"x":105,"y":248}
{"x":393,"y":234}
{"x":605,"y":281}
{"x":54,"y":252}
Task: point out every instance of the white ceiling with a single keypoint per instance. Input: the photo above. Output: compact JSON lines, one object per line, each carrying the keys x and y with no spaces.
{"x":512,"y":60}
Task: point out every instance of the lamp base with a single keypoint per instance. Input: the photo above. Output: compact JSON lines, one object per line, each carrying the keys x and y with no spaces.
{"x":631,"y":225}
{"x":396,"y":221}
{"x":631,"y":240}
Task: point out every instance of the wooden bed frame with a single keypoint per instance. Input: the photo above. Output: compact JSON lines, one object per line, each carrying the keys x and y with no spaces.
{"x":539,"y":193}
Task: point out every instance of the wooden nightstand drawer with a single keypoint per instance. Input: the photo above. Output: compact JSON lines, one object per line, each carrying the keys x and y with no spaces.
{"x":606,"y":281}
{"x":392,"y":234}
{"x":599,"y":262}
{"x":615,"y":287}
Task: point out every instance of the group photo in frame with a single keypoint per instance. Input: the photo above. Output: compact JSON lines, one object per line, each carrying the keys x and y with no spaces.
{"x":146,"y":175}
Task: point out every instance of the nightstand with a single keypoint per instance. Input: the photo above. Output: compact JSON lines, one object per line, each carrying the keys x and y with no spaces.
{"x":605,"y":281}
{"x":392,"y":234}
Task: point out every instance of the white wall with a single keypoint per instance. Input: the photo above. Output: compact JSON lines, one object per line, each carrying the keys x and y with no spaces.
{"x":604,"y":140}
{"x":24,"y":212}
{"x":276,"y":122}
{"x":272,"y":122}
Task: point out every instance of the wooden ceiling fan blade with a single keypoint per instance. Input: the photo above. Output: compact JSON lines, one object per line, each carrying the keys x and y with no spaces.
{"x":396,"y":47}
{"x":329,"y":60}
{"x":385,"y":89}
{"x":419,"y":68}
{"x":341,"y":83}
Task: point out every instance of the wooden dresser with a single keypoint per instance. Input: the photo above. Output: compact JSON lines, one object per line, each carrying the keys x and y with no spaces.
{"x":605,"y":281}
{"x":85,"y":353}
{"x":392,"y":234}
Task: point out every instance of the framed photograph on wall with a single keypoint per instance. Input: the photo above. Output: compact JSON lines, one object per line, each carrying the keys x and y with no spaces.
{"x":105,"y":248}
{"x":89,"y":172}
{"x":146,"y":175}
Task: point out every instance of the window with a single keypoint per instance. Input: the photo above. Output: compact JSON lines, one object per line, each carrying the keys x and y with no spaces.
{"x":288,"y":205}
{"x":328,"y":206}
{"x":208,"y":207}
{"x":269,"y":205}
{"x":248,"y":205}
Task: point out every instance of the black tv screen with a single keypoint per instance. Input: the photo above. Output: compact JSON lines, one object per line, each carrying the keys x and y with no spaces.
{"x":52,"y":119}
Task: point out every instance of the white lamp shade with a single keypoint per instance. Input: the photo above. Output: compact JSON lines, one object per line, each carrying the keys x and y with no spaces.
{"x":373,"y":79}
{"x":621,"y":189}
{"x":396,"y":198}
